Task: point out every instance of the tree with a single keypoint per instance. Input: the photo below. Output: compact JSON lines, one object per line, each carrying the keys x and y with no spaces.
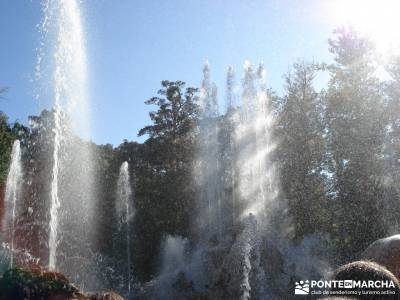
{"x":176,"y":114}
{"x":302,"y":151}
{"x":6,"y":140}
{"x":355,"y":132}
{"x":164,"y":190}
{"x":392,"y":147}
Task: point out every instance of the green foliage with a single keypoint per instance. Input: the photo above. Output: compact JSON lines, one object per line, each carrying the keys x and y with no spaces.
{"x":302,"y":152}
{"x":25,"y":284}
{"x":164,"y":189}
{"x":356,"y":129}
{"x":8,"y":133}
{"x":176,"y":111}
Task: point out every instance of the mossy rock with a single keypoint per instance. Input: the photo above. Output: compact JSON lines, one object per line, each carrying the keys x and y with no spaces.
{"x":35,"y":284}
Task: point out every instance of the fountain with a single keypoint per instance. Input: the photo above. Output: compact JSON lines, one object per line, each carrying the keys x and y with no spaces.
{"x":125,"y":212}
{"x":71,"y":192}
{"x":253,"y":137}
{"x":208,"y":169}
{"x":229,"y":142}
{"x":55,"y":201}
{"x":237,"y":194}
{"x":256,"y":188}
{"x":13,"y":189}
{"x":234,"y":170}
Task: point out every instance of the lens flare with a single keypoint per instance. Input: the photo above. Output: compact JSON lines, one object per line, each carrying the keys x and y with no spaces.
{"x":376,"y":18}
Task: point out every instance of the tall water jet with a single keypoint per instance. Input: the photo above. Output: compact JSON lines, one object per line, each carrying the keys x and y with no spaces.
{"x":239,"y":185}
{"x":230,"y":86}
{"x":249,"y":179}
{"x":71,"y":195}
{"x":13,"y":191}
{"x":55,"y":201}
{"x":207,"y":172}
{"x":257,"y":186}
{"x":229,"y":144}
{"x":125,"y":212}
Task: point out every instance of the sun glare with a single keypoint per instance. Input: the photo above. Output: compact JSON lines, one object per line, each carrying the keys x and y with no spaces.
{"x":379,"y":19}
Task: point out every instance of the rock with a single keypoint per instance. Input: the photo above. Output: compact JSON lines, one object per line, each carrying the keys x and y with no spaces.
{"x":385,"y":252}
{"x":182,"y":285}
{"x":104,"y":296}
{"x":38,"y":283}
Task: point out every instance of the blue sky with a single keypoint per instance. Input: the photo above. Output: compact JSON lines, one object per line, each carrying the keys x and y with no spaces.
{"x":133,"y":45}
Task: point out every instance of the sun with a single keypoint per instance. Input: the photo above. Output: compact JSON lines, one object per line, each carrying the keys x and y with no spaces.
{"x":378,"y":19}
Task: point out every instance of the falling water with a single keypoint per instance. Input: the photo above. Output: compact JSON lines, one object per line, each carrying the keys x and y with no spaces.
{"x":238,"y":181}
{"x":256,"y":172}
{"x":13,"y":190}
{"x":71,"y":194}
{"x":208,"y":171}
{"x":246,"y":247}
{"x":232,"y":117}
{"x":253,"y":135}
{"x":125,"y":211}
{"x":230,"y":85}
{"x":55,"y":201}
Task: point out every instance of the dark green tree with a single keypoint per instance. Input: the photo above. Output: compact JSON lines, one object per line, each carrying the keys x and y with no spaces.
{"x":6,"y":139}
{"x":8,"y":133}
{"x":302,"y":152}
{"x":355,"y":119}
{"x":392,"y":147}
{"x":7,"y":136}
{"x":164,"y":190}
